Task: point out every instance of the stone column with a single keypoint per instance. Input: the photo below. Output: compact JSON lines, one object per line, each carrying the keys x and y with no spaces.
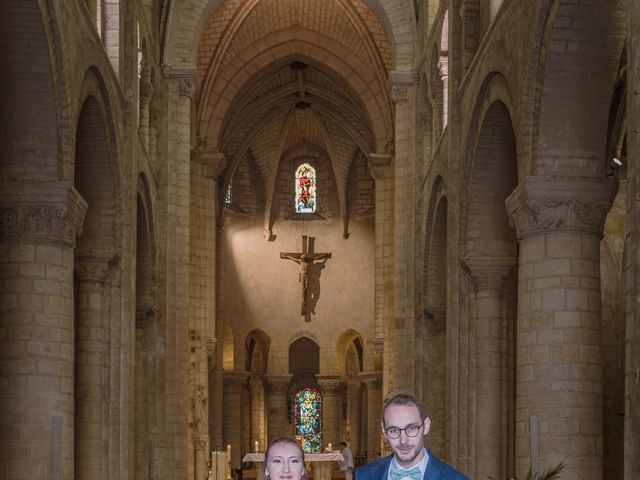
{"x":256,"y":387}
{"x":443,"y":70}
{"x":38,"y":228}
{"x":373,"y":386}
{"x":632,"y":249}
{"x":277,"y":400}
{"x":174,"y":263}
{"x":92,"y":332}
{"x":234,"y":383}
{"x":487,"y":276}
{"x":559,"y":222}
{"x":380,"y":164}
{"x":354,"y":386}
{"x":404,"y":93}
{"x":331,"y":421}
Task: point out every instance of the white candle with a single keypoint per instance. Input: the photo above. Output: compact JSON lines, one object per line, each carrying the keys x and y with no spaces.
{"x":329,"y":447}
{"x":255,"y":444}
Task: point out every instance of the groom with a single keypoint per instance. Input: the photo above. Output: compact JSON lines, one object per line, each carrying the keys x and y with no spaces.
{"x":404,"y":426}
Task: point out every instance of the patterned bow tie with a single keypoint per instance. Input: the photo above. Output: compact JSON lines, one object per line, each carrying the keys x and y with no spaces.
{"x":399,"y":474}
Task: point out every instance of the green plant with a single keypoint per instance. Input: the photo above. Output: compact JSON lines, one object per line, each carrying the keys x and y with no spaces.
{"x":552,"y":473}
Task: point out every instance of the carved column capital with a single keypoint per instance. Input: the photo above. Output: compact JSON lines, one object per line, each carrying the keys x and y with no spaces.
{"x":212,"y":162}
{"x":235,"y":381}
{"x":329,"y":384}
{"x":97,"y":269}
{"x":381,"y":165}
{"x":256,"y":383}
{"x":278,"y":384}
{"x":488,"y":272}
{"x":47,"y":213}
{"x":400,"y":83}
{"x":372,"y":381}
{"x":186,"y":76}
{"x":541,"y":205}
{"x":378,"y":347}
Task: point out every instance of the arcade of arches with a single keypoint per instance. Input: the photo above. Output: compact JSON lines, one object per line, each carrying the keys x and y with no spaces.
{"x":467,"y":231}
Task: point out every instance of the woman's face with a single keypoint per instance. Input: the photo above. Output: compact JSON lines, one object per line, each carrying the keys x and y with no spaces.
{"x":285,"y":462}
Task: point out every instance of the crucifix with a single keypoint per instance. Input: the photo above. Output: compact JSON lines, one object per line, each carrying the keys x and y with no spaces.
{"x":305,"y":259}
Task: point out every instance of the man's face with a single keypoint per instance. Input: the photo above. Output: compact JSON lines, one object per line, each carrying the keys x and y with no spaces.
{"x":406,"y":449}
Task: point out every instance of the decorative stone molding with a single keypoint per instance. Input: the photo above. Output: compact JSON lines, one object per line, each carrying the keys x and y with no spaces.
{"x":278,"y":384}
{"x":378,"y":347}
{"x":380,"y":165}
{"x":41,"y":213}
{"x":97,"y":269}
{"x":212,"y":163}
{"x":400,"y":82}
{"x":436,"y":315}
{"x":235,"y":381}
{"x":329,"y":385}
{"x":560,"y":204}
{"x":187,"y":78}
{"x":210,"y":344}
{"x":488,"y":273}
{"x":372,"y":381}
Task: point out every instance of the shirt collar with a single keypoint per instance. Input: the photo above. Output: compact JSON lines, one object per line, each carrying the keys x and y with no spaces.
{"x":422,"y":464}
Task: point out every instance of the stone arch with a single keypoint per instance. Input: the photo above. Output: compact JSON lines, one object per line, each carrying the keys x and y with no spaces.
{"x":304,"y":355}
{"x":219,"y":96}
{"x":31,"y":127}
{"x":186,"y":21}
{"x":431,"y":327}
{"x":257,"y":345}
{"x":349,"y":348}
{"x":491,"y":253}
{"x":146,"y":336}
{"x":96,"y":259}
{"x":569,"y":125}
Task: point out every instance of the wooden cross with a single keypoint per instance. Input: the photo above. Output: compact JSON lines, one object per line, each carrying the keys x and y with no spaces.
{"x":305,"y":259}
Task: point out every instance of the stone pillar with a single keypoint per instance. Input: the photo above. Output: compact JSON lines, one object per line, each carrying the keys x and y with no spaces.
{"x":354,"y":386}
{"x":380,"y":165}
{"x":559,"y":222}
{"x":404,"y":94}
{"x":174,"y":223}
{"x":38,"y":228}
{"x":201,"y":457}
{"x":277,"y":400}
{"x":373,"y":387}
{"x":632,"y":248}
{"x":487,"y":276}
{"x":443,"y":70}
{"x":92,"y":333}
{"x":256,"y":387}
{"x":331,"y":421}
{"x":234,"y":383}
{"x":434,"y":381}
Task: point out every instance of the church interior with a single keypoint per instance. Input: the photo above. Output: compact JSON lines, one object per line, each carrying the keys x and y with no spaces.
{"x":225,"y":221}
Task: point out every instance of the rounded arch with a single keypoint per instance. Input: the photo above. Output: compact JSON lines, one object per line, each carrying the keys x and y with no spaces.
{"x":32,"y":127}
{"x":349,"y":353}
{"x":569,"y":125}
{"x":257,"y":345}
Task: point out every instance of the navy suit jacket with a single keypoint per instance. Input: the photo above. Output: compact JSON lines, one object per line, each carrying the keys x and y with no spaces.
{"x":436,"y":470}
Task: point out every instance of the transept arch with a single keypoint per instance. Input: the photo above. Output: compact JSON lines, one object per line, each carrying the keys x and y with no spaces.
{"x":593,"y":51}
{"x":257,"y":354}
{"x":349,"y":351}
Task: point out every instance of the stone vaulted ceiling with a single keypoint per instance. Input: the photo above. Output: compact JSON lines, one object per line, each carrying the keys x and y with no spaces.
{"x":276,"y":75}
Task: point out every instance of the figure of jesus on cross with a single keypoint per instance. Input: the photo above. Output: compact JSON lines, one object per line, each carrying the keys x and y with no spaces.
{"x":305,"y":259}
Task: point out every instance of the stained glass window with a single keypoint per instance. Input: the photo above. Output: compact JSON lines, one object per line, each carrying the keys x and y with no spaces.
{"x":227,"y":196}
{"x":308,"y":415}
{"x":305,"y":189}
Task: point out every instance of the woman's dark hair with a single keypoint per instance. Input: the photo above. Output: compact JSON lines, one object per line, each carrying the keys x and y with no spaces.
{"x":284,"y":441}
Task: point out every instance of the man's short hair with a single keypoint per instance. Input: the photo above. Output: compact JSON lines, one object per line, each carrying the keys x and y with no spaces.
{"x":405,"y":400}
{"x":344,"y":444}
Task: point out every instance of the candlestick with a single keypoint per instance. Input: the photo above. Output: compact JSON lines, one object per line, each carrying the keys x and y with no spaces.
{"x":255,"y":444}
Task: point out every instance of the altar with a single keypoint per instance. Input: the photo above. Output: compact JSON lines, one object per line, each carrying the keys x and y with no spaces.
{"x":321,"y":463}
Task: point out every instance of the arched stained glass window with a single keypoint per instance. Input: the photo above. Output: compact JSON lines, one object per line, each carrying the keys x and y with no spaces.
{"x":308,"y":415}
{"x":305,"y":189}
